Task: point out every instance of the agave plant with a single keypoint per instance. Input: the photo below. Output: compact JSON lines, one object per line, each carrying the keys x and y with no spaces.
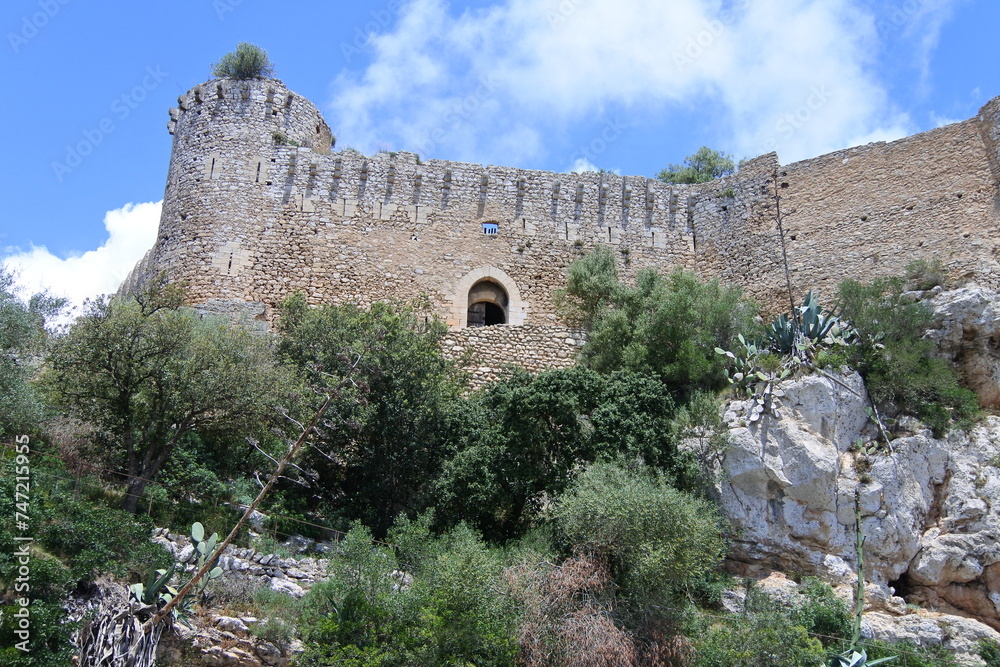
{"x":852,"y":658}
{"x":121,"y":634}
{"x":781,"y":334}
{"x":815,"y":323}
{"x":751,"y":380}
{"x":813,"y":328}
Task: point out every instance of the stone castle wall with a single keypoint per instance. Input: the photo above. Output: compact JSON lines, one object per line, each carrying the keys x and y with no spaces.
{"x":256,"y":207}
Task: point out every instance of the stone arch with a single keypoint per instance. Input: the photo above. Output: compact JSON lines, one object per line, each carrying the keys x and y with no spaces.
{"x":487,"y":284}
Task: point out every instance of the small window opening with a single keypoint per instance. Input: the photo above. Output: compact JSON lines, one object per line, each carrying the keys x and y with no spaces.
{"x":490,"y":228}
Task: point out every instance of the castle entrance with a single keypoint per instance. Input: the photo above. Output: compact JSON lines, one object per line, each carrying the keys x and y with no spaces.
{"x":487,"y":304}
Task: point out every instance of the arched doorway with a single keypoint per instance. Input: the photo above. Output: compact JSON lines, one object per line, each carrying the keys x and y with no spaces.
{"x":488,"y":302}
{"x":488,"y":285}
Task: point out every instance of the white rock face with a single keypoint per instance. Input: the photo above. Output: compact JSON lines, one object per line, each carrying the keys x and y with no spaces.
{"x":967,"y":331}
{"x":930,"y":508}
{"x":781,"y":476}
{"x":957,"y":634}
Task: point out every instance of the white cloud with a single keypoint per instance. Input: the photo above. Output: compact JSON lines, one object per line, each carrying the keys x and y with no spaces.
{"x":923,"y":22}
{"x":495,"y":84}
{"x":941,"y":121}
{"x":131,"y":232}
{"x":582,"y":165}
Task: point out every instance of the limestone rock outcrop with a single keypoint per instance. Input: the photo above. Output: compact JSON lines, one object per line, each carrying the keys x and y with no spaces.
{"x":967,"y":331}
{"x":930,"y":508}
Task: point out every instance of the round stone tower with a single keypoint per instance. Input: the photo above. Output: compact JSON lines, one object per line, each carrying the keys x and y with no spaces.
{"x":221,"y":185}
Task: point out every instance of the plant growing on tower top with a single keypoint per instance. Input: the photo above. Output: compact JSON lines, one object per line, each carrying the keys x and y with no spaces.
{"x":248,"y":61}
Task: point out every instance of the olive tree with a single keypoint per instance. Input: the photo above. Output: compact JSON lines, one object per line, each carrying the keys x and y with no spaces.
{"x":146,"y":372}
{"x":248,"y":61}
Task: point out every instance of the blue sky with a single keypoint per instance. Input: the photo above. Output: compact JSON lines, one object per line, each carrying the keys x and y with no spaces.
{"x":624,"y":85}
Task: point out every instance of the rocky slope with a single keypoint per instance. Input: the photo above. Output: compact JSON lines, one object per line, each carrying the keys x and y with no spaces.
{"x":930,"y":510}
{"x":930,"y":507}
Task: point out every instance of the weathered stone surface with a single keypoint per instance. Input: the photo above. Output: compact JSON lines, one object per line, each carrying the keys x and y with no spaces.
{"x":780,"y":476}
{"x":930,"y":507}
{"x":286,"y":586}
{"x":257,"y":207}
{"x":186,"y":553}
{"x":957,"y":634}
{"x":231,"y":624}
{"x":967,"y":330}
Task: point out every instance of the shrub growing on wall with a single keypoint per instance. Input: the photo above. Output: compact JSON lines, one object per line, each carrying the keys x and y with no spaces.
{"x":248,"y":61}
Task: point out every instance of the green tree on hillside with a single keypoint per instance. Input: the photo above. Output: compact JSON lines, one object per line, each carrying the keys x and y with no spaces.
{"x":22,"y":337}
{"x":147,"y":372}
{"x":382,"y":443}
{"x":704,"y":165}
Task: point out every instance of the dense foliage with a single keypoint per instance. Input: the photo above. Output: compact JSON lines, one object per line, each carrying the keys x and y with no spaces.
{"x":667,"y":326}
{"x":442,"y":610}
{"x":658,"y":539}
{"x":22,"y":336}
{"x":147,"y":372}
{"x":896,"y":360}
{"x":383,"y":443}
{"x":704,"y":165}
{"x":247,"y":61}
{"x":522,"y":440}
{"x":74,"y":540}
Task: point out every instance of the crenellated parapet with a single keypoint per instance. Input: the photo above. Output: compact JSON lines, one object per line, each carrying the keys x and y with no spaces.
{"x":257,"y":207}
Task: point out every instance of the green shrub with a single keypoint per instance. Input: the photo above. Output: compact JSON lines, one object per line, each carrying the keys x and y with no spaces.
{"x":74,"y":541}
{"x":922,"y":274}
{"x":382,"y":443}
{"x":823,"y":613}
{"x":894,"y":358}
{"x":989,"y":651}
{"x":764,"y":633}
{"x":667,"y":326}
{"x":758,"y":640}
{"x":248,"y":61}
{"x":447,"y":609}
{"x":520,"y":441}
{"x":659,"y":540}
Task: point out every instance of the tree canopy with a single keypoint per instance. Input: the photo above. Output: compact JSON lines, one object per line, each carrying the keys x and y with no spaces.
{"x":146,"y":372}
{"x":704,"y":165}
{"x":523,"y":439}
{"x":382,"y":443}
{"x":22,"y":337}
